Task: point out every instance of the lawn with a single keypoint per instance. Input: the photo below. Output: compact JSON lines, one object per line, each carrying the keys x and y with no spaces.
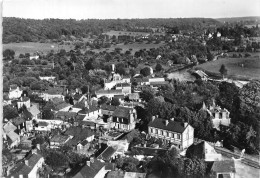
{"x":32,"y":47}
{"x":243,"y":68}
{"x":134,"y":46}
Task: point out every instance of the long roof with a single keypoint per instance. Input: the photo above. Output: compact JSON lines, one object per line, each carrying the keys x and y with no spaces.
{"x":90,"y":171}
{"x":107,"y":153}
{"x":173,"y":126}
{"x":122,"y":112}
{"x":224,"y":166}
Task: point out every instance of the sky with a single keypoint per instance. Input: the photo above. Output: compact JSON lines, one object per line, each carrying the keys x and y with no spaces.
{"x":112,"y":9}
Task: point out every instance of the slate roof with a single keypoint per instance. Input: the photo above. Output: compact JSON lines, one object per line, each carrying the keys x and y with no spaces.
{"x":147,"y":151}
{"x":90,"y":171}
{"x":59,"y":138}
{"x":13,"y":87}
{"x":22,"y":169}
{"x":108,"y":107}
{"x":107,"y":153}
{"x":159,"y":83}
{"x":119,"y":96}
{"x":90,"y":109}
{"x":23,"y":99}
{"x":84,"y":142}
{"x":196,"y":150}
{"x":18,"y":120}
{"x":103,"y":92}
{"x":123,"y":85}
{"x":81,"y":133}
{"x":122,"y":112}
{"x":13,"y":136}
{"x":115,"y":174}
{"x":65,"y":114}
{"x":224,"y":166}
{"x":43,"y":123}
{"x":8,"y":127}
{"x":61,"y":105}
{"x":80,"y":104}
{"x":77,"y":96}
{"x":173,"y":126}
{"x":87,"y":123}
{"x":34,"y":110}
{"x":134,"y":96}
{"x":54,"y":91}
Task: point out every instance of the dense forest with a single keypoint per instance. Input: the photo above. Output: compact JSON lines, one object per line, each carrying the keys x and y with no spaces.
{"x":30,"y":30}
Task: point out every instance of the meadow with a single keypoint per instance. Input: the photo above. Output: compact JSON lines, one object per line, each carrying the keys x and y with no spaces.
{"x":237,"y":68}
{"x":134,"y":46}
{"x":32,"y":47}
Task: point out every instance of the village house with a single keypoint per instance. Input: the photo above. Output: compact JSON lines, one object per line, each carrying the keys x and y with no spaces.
{"x":52,"y":93}
{"x":224,"y":168}
{"x":219,"y":116}
{"x":83,"y":147}
{"x":59,"y":140}
{"x":10,"y":136}
{"x":29,"y":167}
{"x":80,"y":133}
{"x":123,"y":118}
{"x":23,"y":101}
{"x":48,"y":78}
{"x":42,"y":127}
{"x":34,"y":111}
{"x":179,"y":134}
{"x":125,"y":87}
{"x":203,"y":150}
{"x":108,"y":93}
{"x":14,"y":92}
{"x":92,"y":169}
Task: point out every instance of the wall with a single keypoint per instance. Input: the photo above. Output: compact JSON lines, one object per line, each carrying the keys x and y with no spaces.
{"x":187,"y":137}
{"x":33,"y":173}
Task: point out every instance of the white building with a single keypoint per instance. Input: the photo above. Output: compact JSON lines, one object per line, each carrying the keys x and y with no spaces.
{"x":14,"y":92}
{"x":177,"y":133}
{"x":24,"y":101}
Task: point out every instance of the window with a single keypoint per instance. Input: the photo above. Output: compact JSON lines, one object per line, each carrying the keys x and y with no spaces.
{"x":168,"y":134}
{"x":178,"y":136}
{"x":151,"y":130}
{"x":161,"y":132}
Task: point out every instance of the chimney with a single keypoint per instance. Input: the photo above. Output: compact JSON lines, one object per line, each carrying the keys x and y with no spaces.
{"x":92,"y":159}
{"x":26,"y":162}
{"x":153,"y":118}
{"x":172,"y":119}
{"x":88,"y":163}
{"x":34,"y":151}
{"x":166,"y":122}
{"x":186,"y":124}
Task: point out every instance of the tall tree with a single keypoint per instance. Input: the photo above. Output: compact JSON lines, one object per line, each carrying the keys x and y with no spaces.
{"x":223,"y":70}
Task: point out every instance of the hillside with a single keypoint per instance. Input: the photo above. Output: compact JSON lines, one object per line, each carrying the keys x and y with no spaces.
{"x":29,"y":30}
{"x":247,"y":20}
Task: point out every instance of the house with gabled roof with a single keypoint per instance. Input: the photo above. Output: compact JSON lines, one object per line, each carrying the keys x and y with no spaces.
{"x":14,"y":92}
{"x":108,"y":93}
{"x":123,"y":118}
{"x":224,"y":168}
{"x":28,"y":167}
{"x":93,"y":169}
{"x":58,"y":140}
{"x":80,"y":133}
{"x":52,"y":93}
{"x":23,"y":101}
{"x":203,"y":150}
{"x":219,"y":116}
{"x":177,"y":133}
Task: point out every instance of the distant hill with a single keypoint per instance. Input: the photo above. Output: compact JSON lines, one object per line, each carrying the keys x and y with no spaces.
{"x":30,"y":30}
{"x":246,"y":20}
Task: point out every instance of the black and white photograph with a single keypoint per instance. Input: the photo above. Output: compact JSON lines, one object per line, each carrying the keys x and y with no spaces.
{"x":130,"y":88}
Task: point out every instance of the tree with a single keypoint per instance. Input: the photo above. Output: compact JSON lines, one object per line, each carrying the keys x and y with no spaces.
{"x":8,"y":54}
{"x":115,"y":102}
{"x":9,"y":112}
{"x":56,"y":159}
{"x":145,"y":71}
{"x":147,"y":94}
{"x":158,"y":67}
{"x":103,"y":100}
{"x":223,"y":70}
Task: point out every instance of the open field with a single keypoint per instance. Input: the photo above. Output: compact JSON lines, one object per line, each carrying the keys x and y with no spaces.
{"x":134,"y":46}
{"x":31,"y":47}
{"x":244,"y":68}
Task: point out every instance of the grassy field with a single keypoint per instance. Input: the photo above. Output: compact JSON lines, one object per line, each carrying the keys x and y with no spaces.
{"x":244,"y":68}
{"x":31,"y":47}
{"x":134,"y":46}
